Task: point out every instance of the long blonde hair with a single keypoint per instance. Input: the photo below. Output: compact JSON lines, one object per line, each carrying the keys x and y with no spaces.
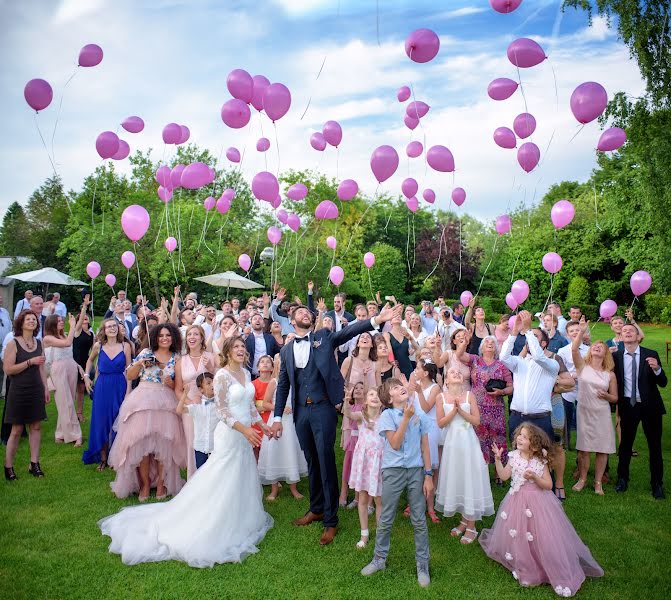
{"x":608,"y":362}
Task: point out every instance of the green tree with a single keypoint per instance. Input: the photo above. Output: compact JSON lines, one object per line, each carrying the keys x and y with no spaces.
{"x":14,"y":232}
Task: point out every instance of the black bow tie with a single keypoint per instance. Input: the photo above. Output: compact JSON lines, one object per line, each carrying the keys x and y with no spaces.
{"x":302,"y":339}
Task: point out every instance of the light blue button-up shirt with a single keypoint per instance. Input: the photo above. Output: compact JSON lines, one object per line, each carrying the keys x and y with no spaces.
{"x":409,"y":455}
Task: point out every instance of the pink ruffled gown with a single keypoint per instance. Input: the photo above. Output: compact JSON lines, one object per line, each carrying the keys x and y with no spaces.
{"x":366,"y":472}
{"x":534,"y":539}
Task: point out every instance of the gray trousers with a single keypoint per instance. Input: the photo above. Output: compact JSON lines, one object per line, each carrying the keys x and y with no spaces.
{"x":394,"y":481}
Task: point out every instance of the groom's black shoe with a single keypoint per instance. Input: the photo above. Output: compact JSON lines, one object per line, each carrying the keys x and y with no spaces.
{"x":307,"y":518}
{"x":328,"y":535}
{"x":622,"y":485}
{"x":658,"y":492}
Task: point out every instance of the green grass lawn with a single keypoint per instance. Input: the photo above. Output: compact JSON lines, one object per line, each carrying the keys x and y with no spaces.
{"x":51,"y":547}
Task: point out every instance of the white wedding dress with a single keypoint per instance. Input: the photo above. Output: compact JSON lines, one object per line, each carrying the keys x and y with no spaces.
{"x":218,"y":516}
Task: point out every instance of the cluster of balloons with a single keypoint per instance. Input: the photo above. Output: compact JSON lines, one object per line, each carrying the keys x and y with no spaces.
{"x":330,"y":134}
{"x":517,"y":295}
{"x":588,"y":102}
{"x":175,"y":134}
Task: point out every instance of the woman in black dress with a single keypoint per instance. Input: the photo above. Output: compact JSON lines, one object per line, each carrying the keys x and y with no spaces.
{"x":28,"y":392}
{"x":81,"y":348}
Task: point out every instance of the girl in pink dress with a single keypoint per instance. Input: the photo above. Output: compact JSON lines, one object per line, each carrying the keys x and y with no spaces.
{"x":366,"y":475}
{"x":532,"y":536}
{"x":352,"y":406}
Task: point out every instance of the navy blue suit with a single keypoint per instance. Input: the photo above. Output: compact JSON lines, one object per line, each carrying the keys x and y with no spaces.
{"x":316,"y":390}
{"x":250,"y":343}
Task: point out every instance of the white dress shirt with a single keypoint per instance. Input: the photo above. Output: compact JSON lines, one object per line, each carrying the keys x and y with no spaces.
{"x":446,"y":333}
{"x":205,"y":420}
{"x":561,"y":325}
{"x":566,"y":354}
{"x":627,"y":372}
{"x":8,"y":338}
{"x":5,"y":323}
{"x":301,"y":351}
{"x":61,"y":309}
{"x":260,"y":350}
{"x":533,"y":376}
{"x":22,"y":304}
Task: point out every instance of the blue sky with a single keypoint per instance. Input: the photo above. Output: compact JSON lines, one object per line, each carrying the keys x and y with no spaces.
{"x":167,"y":60}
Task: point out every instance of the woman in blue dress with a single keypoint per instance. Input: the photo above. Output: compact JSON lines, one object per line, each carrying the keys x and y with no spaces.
{"x":109,"y":391}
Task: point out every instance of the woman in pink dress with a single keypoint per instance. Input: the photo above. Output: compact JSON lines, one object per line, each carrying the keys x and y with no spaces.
{"x":532,"y":536}
{"x":193,"y":363}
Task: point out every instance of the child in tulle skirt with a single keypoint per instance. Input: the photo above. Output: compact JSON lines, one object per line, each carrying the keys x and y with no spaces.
{"x":532,"y":536}
{"x":355,"y":404}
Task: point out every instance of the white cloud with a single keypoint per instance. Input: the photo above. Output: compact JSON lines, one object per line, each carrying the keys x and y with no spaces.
{"x":295,"y":8}
{"x":460,"y":12}
{"x":72,"y":10}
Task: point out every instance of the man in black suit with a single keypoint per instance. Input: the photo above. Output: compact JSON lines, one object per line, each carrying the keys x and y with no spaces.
{"x":639,"y":374}
{"x":258,"y":344}
{"x":310,"y":371}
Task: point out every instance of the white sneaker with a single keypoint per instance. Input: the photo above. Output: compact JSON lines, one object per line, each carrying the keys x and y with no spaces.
{"x":423,"y":577}
{"x":375,"y":565}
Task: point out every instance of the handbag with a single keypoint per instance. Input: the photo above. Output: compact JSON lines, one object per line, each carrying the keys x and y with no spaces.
{"x":495,"y":384}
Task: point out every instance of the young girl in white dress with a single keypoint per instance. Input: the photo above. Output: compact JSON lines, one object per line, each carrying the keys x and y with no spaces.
{"x":463,"y":484}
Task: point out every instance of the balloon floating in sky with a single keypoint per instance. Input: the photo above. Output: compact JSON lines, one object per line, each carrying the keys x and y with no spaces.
{"x":429,"y":195}
{"x":93,"y":269}
{"x":123,"y":151}
{"x":233,"y":154}
{"x":562,"y":213}
{"x":326,"y":210}
{"x":525,"y":53}
{"x":209,"y":203}
{"x":412,"y":204}
{"x":274,"y":235}
{"x":172,"y":133}
{"x":414,"y":149}
{"x":403,"y":93}
{"x":505,"y":138}
{"x":612,"y":139}
{"x":332,"y":132}
{"x":163,"y":176}
{"x":502,"y":88}
{"x":520,"y":291}
{"x":458,"y":196}
{"x":503,"y":224}
{"x":133,"y":124}
{"x":294,"y":222}
{"x":110,"y":280}
{"x":409,"y":187}
{"x":241,"y":86}
{"x":235,"y":113}
{"x":38,"y":94}
{"x":265,"y":186}
{"x":164,"y":194}
{"x":440,"y":159}
{"x":107,"y":144}
{"x":504,"y":7}
{"x":640,"y":282}
{"x":369,"y":259}
{"x":176,"y":175}
{"x":510,"y":301}
{"x":245,"y":262}
{"x":276,"y":101}
{"x":417,"y":109}
{"x":297,"y":192}
{"x":135,"y":222}
{"x":347,"y":189}
{"x":524,"y":125}
{"x":318,"y":141}
{"x":466,"y":297}
{"x":259,"y":85}
{"x":263,"y":144}
{"x":336,"y":275}
{"x":384,"y":162}
{"x":90,"y":55}
{"x":607,"y":309}
{"x":552,"y":262}
{"x":422,"y":45}
{"x":410,"y":122}
{"x":128,"y":259}
{"x":588,"y":101}
{"x":331,"y":242}
{"x":528,"y":155}
{"x":282,"y":216}
{"x":196,"y":175}
{"x":170,"y":244}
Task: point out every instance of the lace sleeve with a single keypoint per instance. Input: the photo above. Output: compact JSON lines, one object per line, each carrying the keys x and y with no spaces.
{"x":256,"y":417}
{"x":221,"y":384}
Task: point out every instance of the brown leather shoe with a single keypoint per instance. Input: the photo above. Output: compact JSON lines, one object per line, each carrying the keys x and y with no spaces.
{"x":328,"y":535}
{"x":307,"y":518}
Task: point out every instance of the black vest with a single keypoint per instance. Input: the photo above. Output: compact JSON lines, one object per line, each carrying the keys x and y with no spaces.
{"x":310,"y":384}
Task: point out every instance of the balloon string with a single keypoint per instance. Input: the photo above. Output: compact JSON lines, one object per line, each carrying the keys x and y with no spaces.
{"x":377,"y":21}
{"x":296,"y":257}
{"x":460,"y":243}
{"x":414,"y":242}
{"x":277,"y":143}
{"x":58,"y":114}
{"x":93,"y":201}
{"x":351,"y":237}
{"x":512,"y":276}
{"x":92,"y":315}
{"x":160,"y":226}
{"x":191,"y":217}
{"x":44,"y":143}
{"x":258,"y":237}
{"x":407,"y":247}
{"x":127,"y":277}
{"x":519,"y":78}
{"x":576,"y":133}
{"x":139,"y":282}
{"x":370,"y":285}
{"x":318,"y":74}
{"x":496,"y":241}
{"x":337,"y":161}
{"x":440,"y":253}
{"x":549,"y":298}
{"x":596,"y":210}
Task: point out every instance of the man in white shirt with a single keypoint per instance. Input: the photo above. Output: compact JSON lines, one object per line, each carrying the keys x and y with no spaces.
{"x":24,"y":303}
{"x":5,"y":328}
{"x":60,"y":310}
{"x":446,"y":328}
{"x":37,"y":305}
{"x":534,"y":377}
{"x":555,"y":310}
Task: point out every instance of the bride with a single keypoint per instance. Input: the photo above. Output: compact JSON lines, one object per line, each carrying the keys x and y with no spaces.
{"x":218,"y":516}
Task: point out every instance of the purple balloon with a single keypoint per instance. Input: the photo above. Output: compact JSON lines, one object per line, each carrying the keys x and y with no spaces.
{"x":110,"y":280}
{"x":209,"y":203}
{"x":331,"y":242}
{"x":318,"y":141}
{"x":274,"y":235}
{"x":588,"y":101}
{"x":172,"y":133}
{"x":332,"y":132}
{"x":164,"y":194}
{"x":170,"y":244}
{"x":336,"y":275}
{"x":262,"y":144}
{"x":276,"y":101}
{"x":552,"y":262}
{"x":528,"y":156}
{"x":233,"y":154}
{"x":612,"y":139}
{"x":524,"y":125}
{"x":128,"y":259}
{"x":326,"y":210}
{"x":422,"y":45}
{"x":384,"y":162}
{"x":520,"y":291}
{"x":412,"y":204}
{"x":466,"y":297}
{"x":409,"y":187}
{"x":458,"y":196}
{"x":260,"y":83}
{"x":403,"y":93}
{"x":502,"y":88}
{"x":90,"y":55}
{"x":186,"y":134}
{"x":297,"y":192}
{"x":525,"y":53}
{"x":107,"y":144}
{"x":369,"y":259}
{"x":510,"y":301}
{"x":503,"y":224}
{"x":133,"y":124}
{"x":228,"y":194}
{"x":240,"y":84}
{"x":135,"y":222}
{"x":347,"y":189}
{"x":195,"y":175}
{"x":245,"y":262}
{"x":294,"y":222}
{"x":562,"y":213}
{"x":123,"y":151}
{"x":410,"y":122}
{"x":93,"y":269}
{"x":417,"y":109}
{"x":504,"y":137}
{"x":440,"y":159}
{"x":429,"y":195}
{"x":265,"y":186}
{"x":640,"y":282}
{"x":607,"y":309}
{"x":504,"y":7}
{"x":276,"y":203}
{"x":235,"y":113}
{"x":223,"y":205}
{"x":176,"y":176}
{"x":38,"y":94}
{"x":282,"y":216}
{"x":414,"y":149}
{"x":163,"y":176}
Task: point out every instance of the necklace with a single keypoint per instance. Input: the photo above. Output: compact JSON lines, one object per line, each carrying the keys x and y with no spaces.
{"x":30,"y":345}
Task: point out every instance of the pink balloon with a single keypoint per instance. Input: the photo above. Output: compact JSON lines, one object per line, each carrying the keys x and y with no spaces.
{"x":417,"y":109}
{"x":235,"y":113}
{"x":209,"y":203}
{"x":511,"y":322}
{"x":505,"y":6}
{"x":410,"y":122}
{"x":265,"y":186}
{"x":403,"y":93}
{"x":607,"y":309}
{"x":282,"y":216}
{"x":90,"y":55}
{"x":318,"y":141}
{"x":245,"y":262}
{"x":93,"y":269}
{"x":458,"y":196}
{"x":504,"y":138}
{"x":440,"y":159}
{"x":176,"y":175}
{"x":640,"y":282}
{"x":336,"y":275}
{"x":294,"y":222}
{"x":552,"y":262}
{"x":611,"y":139}
{"x":562,"y":213}
{"x":332,"y":132}
{"x":110,"y":280}
{"x":164,"y":194}
{"x":195,"y":176}
{"x":163,"y":176}
{"x":133,"y":124}
{"x":233,"y":154}
{"x":241,"y":85}
{"x":384,"y":162}
{"x":172,"y":133}
{"x":525,"y":53}
{"x":528,"y":155}
{"x":510,"y":301}
{"x":409,"y":187}
{"x":228,"y":194}
{"x":186,"y":134}
{"x":107,"y":144}
{"x":326,"y":210}
{"x":502,"y":88}
{"x":331,"y":242}
{"x":262,"y":144}
{"x":276,"y":203}
{"x":38,"y":94}
{"x":223,"y":204}
{"x":414,"y":149}
{"x":260,"y":83}
{"x":524,"y":125}
{"x":170,"y":244}
{"x":123,"y":151}
{"x":466,"y":297}
{"x":588,"y":101}
{"x":274,"y":235}
{"x":347,"y":189}
{"x":422,"y":45}
{"x":520,"y":291}
{"x":276,"y":101}
{"x":429,"y":195}
{"x":128,"y":259}
{"x":412,"y":204}
{"x":503,"y":224}
{"x":135,"y":222}
{"x":369,"y":259}
{"x":297,"y":192}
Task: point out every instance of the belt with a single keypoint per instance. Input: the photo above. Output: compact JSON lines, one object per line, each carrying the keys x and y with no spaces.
{"x":532,"y":416}
{"x":309,"y":401}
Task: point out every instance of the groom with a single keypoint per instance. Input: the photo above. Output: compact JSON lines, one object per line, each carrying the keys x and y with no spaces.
{"x":310,"y":371}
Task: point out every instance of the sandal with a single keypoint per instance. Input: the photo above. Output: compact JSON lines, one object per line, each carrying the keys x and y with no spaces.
{"x":456,"y":531}
{"x":580,"y":485}
{"x":467,"y":539}
{"x":406,"y":512}
{"x":352,"y":505}
{"x":598,"y":488}
{"x":434,"y":518}
{"x":102,"y":466}
{"x":363,"y":542}
{"x":560,"y":493}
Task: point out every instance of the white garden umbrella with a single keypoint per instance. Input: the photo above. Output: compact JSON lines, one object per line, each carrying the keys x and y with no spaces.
{"x":46,"y":275}
{"x":229,"y":279}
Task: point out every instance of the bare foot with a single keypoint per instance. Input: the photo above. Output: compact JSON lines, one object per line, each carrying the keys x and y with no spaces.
{"x":296,"y":494}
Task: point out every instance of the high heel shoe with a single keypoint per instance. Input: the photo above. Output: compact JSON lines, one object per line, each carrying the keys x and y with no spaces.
{"x":9,"y":474}
{"x":35,"y":470}
{"x":580,"y":485}
{"x":598,"y":488}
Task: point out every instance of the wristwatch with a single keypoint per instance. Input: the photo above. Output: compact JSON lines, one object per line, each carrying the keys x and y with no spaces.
{"x":428,"y":473}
